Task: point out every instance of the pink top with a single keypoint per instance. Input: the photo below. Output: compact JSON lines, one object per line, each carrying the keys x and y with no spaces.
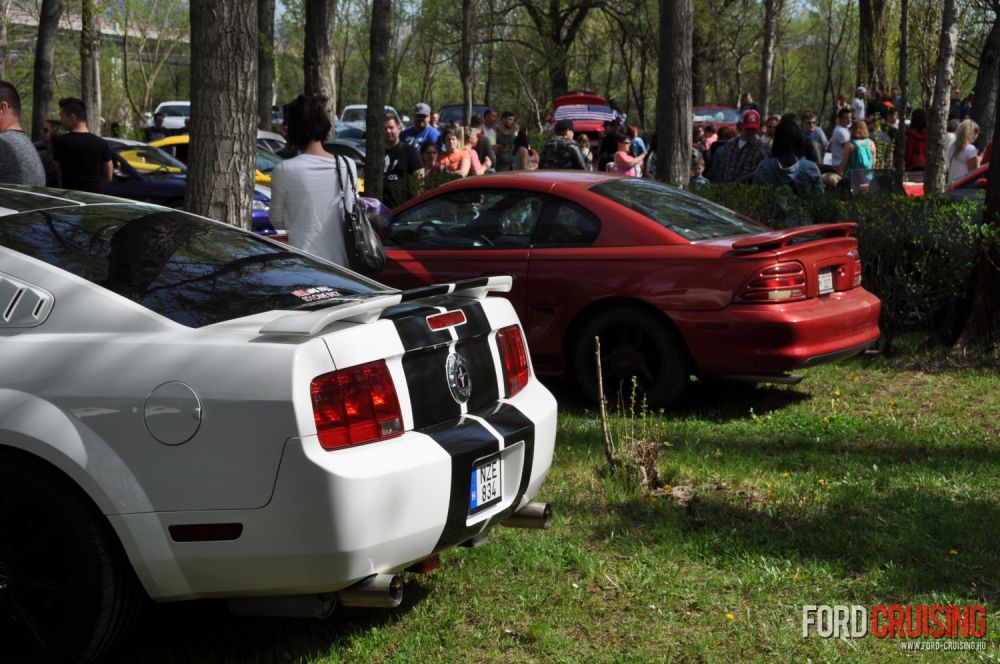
{"x":619,"y":166}
{"x":477,"y":166}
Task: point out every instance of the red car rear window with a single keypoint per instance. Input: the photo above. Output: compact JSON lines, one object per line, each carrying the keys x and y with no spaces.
{"x":690,"y":216}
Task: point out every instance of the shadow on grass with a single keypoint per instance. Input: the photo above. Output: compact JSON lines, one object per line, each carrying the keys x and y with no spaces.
{"x":205,"y":631}
{"x":897,"y":543}
{"x":716,"y":401}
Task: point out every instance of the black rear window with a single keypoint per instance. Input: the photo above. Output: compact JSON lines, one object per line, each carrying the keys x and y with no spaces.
{"x":191,"y":270}
{"x":690,"y":216}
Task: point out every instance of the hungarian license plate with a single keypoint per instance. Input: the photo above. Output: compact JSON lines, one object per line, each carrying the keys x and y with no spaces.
{"x":826,"y":281}
{"x":484,"y":489}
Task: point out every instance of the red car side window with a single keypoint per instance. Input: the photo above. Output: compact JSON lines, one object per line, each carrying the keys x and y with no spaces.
{"x":477,"y":219}
{"x":566,"y":224}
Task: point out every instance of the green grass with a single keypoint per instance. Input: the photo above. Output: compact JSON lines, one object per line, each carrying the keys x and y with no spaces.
{"x":868,"y":483}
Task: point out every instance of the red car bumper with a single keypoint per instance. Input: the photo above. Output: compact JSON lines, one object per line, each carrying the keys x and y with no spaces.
{"x":748,"y":339}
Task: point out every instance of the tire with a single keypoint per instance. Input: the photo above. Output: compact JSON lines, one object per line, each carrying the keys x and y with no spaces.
{"x":634,"y":343}
{"x":67,"y":593}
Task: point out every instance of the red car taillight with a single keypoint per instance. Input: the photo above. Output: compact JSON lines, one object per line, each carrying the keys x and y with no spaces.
{"x":782,"y":282}
{"x":857,"y":273}
{"x":514,"y":356}
{"x":356,"y":406}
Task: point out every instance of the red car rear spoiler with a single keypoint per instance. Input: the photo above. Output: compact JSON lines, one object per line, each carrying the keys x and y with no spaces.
{"x":782,"y":238}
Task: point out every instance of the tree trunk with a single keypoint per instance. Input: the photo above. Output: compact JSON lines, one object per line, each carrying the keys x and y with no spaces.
{"x":558,"y":23}
{"x":673,"y":98}
{"x":558,"y":70}
{"x":465,"y":59}
{"x":220,"y":176}
{"x":772,"y":11}
{"x":380,"y":32}
{"x":872,"y":40}
{"x":982,"y":327}
{"x":318,"y":60}
{"x":265,"y":63}
{"x":699,"y":59}
{"x":90,"y":64}
{"x":984,"y":103}
{"x":4,"y":6}
{"x":45,"y":48}
{"x":936,"y":172}
{"x":900,"y":146}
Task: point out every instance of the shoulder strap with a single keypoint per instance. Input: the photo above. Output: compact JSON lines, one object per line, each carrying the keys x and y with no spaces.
{"x":349,"y":179}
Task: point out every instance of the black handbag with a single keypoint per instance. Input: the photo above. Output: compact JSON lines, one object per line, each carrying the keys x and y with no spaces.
{"x":364,"y":248}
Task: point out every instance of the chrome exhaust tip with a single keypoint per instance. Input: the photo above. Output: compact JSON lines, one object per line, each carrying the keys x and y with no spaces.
{"x":378,"y":591}
{"x":532,"y":515}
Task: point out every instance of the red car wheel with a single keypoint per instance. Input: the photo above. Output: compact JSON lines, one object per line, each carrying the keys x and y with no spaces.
{"x":634,"y":344}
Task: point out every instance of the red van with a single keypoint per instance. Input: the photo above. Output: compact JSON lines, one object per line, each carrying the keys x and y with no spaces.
{"x":588,"y":112}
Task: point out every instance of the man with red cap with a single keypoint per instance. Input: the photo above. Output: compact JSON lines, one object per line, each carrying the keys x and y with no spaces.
{"x":741,"y":155}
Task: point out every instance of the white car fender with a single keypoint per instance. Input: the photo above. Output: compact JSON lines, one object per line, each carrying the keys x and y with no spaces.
{"x":41,"y":429}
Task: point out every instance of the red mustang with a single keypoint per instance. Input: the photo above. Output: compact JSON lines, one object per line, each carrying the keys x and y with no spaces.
{"x":673,"y":284}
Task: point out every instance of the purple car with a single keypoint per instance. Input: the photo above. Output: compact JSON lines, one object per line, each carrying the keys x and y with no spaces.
{"x":148,"y":174}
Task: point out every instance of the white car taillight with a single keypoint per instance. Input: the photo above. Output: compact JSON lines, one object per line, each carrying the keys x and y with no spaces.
{"x":514,"y":356}
{"x":355,"y":406}
{"x":781,"y":282}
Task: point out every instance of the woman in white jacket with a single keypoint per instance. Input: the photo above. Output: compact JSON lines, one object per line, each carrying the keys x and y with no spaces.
{"x":306,"y":189}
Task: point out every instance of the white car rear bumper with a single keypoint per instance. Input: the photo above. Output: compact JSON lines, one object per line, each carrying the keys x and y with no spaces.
{"x":337,"y":517}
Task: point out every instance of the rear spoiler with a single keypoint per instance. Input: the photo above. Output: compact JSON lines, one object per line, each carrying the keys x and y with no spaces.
{"x":308,"y":323}
{"x":779,"y":239}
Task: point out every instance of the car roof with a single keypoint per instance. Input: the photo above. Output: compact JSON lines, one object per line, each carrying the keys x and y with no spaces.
{"x":15,"y":199}
{"x":563,"y":178}
{"x":588,"y":98}
{"x":177,"y":139}
{"x":125,"y":141}
{"x":174,"y":103}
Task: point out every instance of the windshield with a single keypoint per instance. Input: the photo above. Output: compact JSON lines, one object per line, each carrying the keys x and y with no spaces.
{"x":148,"y":159}
{"x":354,"y":115}
{"x":452,"y":114}
{"x":191,"y":270}
{"x":716,"y":115}
{"x":175,"y":111}
{"x":690,"y":216}
{"x":267,"y":160}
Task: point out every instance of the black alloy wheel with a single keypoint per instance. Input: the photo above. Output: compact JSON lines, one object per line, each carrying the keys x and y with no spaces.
{"x":635,"y":347}
{"x":66,"y":592}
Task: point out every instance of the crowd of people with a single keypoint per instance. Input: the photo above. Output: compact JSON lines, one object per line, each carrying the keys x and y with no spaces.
{"x":495,"y":143}
{"x":793,"y":149}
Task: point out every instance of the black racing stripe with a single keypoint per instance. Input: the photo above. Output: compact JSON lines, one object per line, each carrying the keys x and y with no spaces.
{"x":476,"y":322}
{"x":477,"y":355}
{"x":427,"y":382}
{"x":466,"y":441}
{"x":515,"y":427}
{"x":411,"y":325}
{"x":425,"y":291}
{"x":467,"y":444}
{"x":444,"y":289}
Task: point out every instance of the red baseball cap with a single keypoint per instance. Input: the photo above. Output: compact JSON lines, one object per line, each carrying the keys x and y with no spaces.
{"x":751,"y":119}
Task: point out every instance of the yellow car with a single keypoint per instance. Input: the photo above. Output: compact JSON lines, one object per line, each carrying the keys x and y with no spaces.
{"x":177,"y":146}
{"x":148,"y":159}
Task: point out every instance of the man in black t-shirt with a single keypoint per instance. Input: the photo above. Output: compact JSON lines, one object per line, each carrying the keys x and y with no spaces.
{"x":82,"y":160}
{"x":402,"y":163}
